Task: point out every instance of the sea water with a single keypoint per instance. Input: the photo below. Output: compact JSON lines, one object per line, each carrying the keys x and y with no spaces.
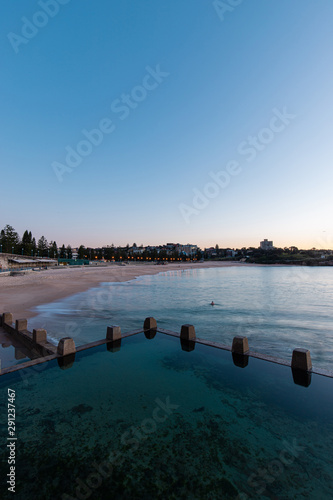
{"x":150,"y":420}
{"x":277,"y":308}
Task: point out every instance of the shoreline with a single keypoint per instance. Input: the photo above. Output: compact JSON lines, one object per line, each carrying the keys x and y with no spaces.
{"x":20,"y":295}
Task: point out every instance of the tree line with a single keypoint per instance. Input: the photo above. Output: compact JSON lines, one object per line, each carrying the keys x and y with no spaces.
{"x":11,"y":242}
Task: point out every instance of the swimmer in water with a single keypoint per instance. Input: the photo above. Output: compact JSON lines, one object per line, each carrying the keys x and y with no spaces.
{"x":212,"y":303}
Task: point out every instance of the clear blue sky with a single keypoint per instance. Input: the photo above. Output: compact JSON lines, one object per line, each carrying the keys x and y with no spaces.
{"x":196,"y":86}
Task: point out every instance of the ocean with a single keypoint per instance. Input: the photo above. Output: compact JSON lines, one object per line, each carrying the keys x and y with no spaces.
{"x":277,"y":308}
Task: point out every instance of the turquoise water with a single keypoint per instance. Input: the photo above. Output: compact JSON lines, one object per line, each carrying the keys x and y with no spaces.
{"x":151,"y":420}
{"x":277,"y":308}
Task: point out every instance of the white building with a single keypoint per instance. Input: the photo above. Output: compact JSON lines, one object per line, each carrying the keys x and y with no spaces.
{"x":266,"y":245}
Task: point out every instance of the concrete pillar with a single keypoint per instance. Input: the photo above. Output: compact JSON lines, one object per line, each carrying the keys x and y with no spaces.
{"x":39,"y":335}
{"x":7,"y":318}
{"x":21,"y":325}
{"x":66,"y":346}
{"x":301,"y":360}
{"x":240,"y":345}
{"x":113,"y":333}
{"x":187,"y":332}
{"x":150,"y":324}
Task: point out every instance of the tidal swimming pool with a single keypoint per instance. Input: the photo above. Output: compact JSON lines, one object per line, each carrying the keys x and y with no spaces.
{"x":147,"y":419}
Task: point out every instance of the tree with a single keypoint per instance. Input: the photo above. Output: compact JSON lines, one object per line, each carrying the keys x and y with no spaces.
{"x":53,"y":250}
{"x":42,"y":246}
{"x":199,"y":254}
{"x":63,"y":252}
{"x":34,"y":246}
{"x":2,"y":240}
{"x":108,"y":253}
{"x":69,"y":252}
{"x":26,"y":242}
{"x":81,"y":252}
{"x":9,"y":239}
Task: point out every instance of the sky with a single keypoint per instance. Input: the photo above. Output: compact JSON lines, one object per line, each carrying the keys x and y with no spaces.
{"x":193,"y":121}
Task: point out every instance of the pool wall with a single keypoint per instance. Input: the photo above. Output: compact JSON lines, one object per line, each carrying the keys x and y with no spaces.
{"x":301,"y":365}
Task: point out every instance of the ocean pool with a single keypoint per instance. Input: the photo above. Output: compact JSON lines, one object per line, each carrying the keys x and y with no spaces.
{"x":147,"y":419}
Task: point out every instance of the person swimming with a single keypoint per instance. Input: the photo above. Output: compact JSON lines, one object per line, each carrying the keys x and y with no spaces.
{"x":212,"y":303}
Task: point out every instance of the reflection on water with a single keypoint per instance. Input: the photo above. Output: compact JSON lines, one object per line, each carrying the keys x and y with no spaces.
{"x":13,"y":354}
{"x":277,"y":308}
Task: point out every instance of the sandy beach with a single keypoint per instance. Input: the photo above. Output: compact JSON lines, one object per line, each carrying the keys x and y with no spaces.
{"x":21,"y":294}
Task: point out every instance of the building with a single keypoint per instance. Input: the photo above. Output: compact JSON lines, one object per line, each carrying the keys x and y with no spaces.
{"x":21,"y":262}
{"x":188,"y":250}
{"x":266,"y":245}
{"x":230,"y":252}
